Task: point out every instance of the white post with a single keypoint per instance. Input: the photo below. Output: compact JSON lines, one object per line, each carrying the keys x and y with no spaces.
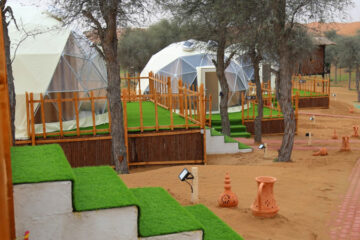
{"x":195,"y":193}
{"x":265,"y":150}
{"x":309,"y":139}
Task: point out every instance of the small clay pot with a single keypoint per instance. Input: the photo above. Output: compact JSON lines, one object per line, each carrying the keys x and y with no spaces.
{"x":228,"y":198}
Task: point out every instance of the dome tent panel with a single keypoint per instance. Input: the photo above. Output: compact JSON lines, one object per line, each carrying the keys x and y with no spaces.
{"x":53,"y":61}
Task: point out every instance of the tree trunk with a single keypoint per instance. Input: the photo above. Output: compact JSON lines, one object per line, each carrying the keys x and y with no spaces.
{"x":358,"y":81}
{"x":336,"y":73}
{"x":286,"y":107}
{"x":220,"y":72}
{"x":109,"y":45}
{"x":349,"y":78}
{"x":10,"y":78}
{"x":255,"y":59}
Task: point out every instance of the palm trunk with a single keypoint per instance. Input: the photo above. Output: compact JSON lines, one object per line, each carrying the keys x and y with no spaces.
{"x":220,"y":72}
{"x":10,"y":78}
{"x":258,"y":120}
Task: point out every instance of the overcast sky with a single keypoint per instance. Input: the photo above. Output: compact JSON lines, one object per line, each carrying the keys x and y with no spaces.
{"x":352,"y":12}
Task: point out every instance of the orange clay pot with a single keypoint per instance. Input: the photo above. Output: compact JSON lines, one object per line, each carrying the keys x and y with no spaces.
{"x":228,"y":198}
{"x":356,"y":131}
{"x":265,"y":204}
{"x":345,"y":144}
{"x":351,"y":110}
{"x":334,"y":136}
{"x":321,"y":152}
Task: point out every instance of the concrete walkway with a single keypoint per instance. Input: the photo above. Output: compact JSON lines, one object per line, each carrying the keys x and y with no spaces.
{"x":346,"y":225}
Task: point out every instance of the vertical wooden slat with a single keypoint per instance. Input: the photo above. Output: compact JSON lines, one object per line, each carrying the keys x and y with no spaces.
{"x":60,"y":113}
{"x":141,"y":114}
{"x":297,"y":111}
{"x":242,"y":107}
{"x":171,"y":108}
{"x":32,"y":119}
{"x":169,"y":90}
{"x":93,"y":112}
{"x":27,"y":113}
{"x":186,"y":109}
{"x":76,"y":105}
{"x":42,"y":115}
{"x":181,"y":97}
{"x":156,"y":112}
{"x":253,"y":106}
{"x":109,"y":114}
{"x":126,"y":127}
{"x":210,"y":110}
{"x":139,"y":82}
{"x":7,"y":220}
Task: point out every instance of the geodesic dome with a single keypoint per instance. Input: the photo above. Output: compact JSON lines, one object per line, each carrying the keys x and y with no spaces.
{"x":50,"y":59}
{"x":182,"y":59}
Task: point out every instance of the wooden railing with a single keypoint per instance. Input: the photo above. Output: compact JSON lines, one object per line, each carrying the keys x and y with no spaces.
{"x":311,"y":85}
{"x":187,"y":103}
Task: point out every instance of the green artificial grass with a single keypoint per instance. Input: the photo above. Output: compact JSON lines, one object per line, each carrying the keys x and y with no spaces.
{"x":100,"y":188}
{"x":43,"y":163}
{"x":133,"y":119}
{"x":303,"y":93}
{"x":236,"y":117}
{"x":161,"y":214}
{"x":215,"y":228}
{"x":148,"y":109}
{"x":228,"y":139}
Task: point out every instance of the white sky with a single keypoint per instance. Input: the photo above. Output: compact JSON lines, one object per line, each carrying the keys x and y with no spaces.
{"x":352,"y":13}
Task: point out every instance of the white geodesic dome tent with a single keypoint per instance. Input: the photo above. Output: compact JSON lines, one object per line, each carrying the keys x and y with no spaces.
{"x":48,"y":60}
{"x":186,"y":60}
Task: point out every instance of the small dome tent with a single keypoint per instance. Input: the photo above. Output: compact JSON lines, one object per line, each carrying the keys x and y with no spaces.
{"x":52,"y":60}
{"x":192,"y":63}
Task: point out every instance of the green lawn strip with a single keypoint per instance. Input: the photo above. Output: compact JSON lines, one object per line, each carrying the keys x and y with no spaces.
{"x":42,"y":163}
{"x":228,"y":139}
{"x":303,"y":93}
{"x":237,"y":116}
{"x":215,"y":228}
{"x":133,"y":118}
{"x":232,"y":140}
{"x":100,"y":188}
{"x":161,"y":214}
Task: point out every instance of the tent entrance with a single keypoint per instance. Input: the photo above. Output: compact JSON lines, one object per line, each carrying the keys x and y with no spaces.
{"x":212,"y":88}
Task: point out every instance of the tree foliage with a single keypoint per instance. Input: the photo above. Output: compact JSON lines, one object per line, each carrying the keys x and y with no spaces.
{"x":137,"y":45}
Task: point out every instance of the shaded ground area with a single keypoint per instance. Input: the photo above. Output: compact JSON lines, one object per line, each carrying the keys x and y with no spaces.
{"x":308,"y":191}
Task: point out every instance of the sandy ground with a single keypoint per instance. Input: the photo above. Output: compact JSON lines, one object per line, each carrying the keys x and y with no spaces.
{"x":308,"y":190}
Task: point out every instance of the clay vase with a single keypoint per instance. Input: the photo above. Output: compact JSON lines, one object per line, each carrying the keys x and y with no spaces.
{"x":334,"y":136}
{"x":351,"y":110}
{"x":228,"y":198}
{"x":356,"y":131}
{"x":265,"y":204}
{"x":345,"y":146}
{"x":321,"y":152}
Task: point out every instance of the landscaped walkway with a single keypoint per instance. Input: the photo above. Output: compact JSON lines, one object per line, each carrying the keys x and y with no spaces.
{"x":346,"y":225}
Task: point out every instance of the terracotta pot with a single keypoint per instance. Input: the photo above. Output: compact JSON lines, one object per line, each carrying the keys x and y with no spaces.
{"x":265,"y":204}
{"x":228,"y":198}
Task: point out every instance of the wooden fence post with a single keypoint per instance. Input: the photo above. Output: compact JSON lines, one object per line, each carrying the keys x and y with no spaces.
{"x":156,"y":112}
{"x":181,"y":97}
{"x":186,"y":108}
{"x":151,"y":85}
{"x":42,"y":115}
{"x":32,"y":119}
{"x":242,"y":108}
{"x":297,"y":112}
{"x":210,"y":110}
{"x":93,"y":112}
{"x":171,"y":108}
{"x":141,"y":114}
{"x":76,"y":99}
{"x":60,"y":113}
{"x":27,"y":114}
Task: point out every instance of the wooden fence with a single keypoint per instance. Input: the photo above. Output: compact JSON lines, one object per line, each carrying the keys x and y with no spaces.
{"x":311,"y":86}
{"x":187,"y":103}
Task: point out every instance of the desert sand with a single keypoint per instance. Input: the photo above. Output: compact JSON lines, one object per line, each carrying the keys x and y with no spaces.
{"x":308,"y":189}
